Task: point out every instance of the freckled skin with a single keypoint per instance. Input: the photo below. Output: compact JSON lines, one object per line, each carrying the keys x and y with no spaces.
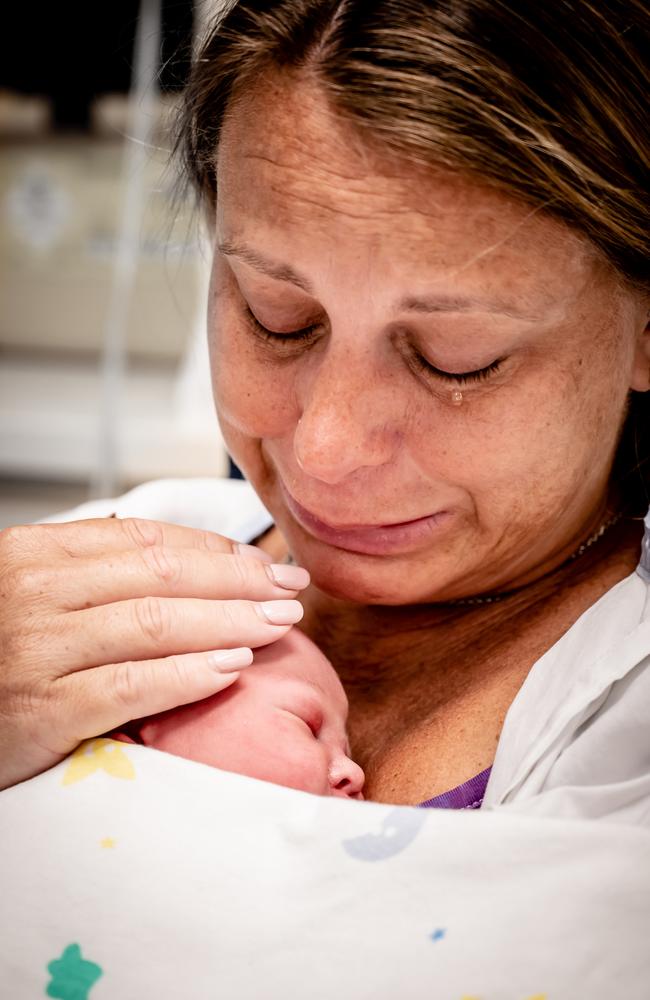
{"x":282,"y":721}
{"x":354,"y":431}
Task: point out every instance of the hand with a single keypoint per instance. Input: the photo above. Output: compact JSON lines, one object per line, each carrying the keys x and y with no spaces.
{"x":110,"y":620}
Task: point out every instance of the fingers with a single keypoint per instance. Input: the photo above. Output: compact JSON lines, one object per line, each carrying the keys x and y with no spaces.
{"x":109,"y":696}
{"x":154,"y":627}
{"x":161,"y":571}
{"x":133,"y":570}
{"x":98,"y":536}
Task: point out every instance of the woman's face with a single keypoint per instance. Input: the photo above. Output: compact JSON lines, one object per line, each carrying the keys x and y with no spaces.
{"x":388,"y":291}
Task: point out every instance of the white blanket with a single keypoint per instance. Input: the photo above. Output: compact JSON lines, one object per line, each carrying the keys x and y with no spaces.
{"x":128,"y":874}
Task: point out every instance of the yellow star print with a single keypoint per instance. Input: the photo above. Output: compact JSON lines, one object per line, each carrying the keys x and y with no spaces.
{"x":107,"y":842}
{"x":98,"y":755}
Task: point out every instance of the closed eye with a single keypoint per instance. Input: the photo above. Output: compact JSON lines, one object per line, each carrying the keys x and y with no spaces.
{"x":306,"y":333}
{"x":292,"y":335}
{"x":463,"y":377}
{"x":312,"y":727}
{"x":313,"y":723}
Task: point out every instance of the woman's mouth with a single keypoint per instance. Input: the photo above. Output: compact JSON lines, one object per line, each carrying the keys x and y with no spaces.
{"x":368,"y":539}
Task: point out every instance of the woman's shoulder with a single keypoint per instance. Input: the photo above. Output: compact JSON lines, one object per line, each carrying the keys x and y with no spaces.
{"x":228,"y":506}
{"x":575,"y":740}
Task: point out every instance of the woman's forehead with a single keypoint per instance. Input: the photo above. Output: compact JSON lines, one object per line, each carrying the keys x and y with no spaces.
{"x":308,"y":157}
{"x":290,"y":171}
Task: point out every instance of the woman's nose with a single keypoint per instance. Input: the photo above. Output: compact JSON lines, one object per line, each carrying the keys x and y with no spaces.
{"x":346,"y":778}
{"x":345,"y":423}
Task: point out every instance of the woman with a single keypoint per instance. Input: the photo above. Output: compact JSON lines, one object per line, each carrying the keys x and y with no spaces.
{"x":429,"y":328}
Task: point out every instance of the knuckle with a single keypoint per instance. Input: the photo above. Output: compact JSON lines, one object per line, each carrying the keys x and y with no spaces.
{"x":230,"y":615}
{"x":244,"y":571}
{"x":14,"y":535}
{"x":152,"y":618}
{"x":25,"y":652}
{"x":177,"y":672}
{"x":26,"y":581}
{"x":165,"y":564}
{"x":127,"y":684}
{"x":142,"y":532}
{"x":13,"y":650}
{"x":210,"y":541}
{"x":15,"y":539}
{"x":28,"y":699}
{"x":43,"y":706}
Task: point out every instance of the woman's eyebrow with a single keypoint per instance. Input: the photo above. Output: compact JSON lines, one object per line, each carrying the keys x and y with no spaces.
{"x":422,"y":304}
{"x":460,"y":303}
{"x":281,"y":272}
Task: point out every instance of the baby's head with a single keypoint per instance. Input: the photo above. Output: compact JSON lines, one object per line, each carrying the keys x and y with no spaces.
{"x":283,"y":721}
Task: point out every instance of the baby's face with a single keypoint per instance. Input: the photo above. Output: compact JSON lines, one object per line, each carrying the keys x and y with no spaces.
{"x":282,"y":721}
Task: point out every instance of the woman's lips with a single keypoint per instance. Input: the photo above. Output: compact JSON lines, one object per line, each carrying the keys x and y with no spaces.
{"x":369,"y":539}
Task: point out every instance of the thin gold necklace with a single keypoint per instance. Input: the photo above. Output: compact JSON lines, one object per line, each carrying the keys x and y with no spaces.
{"x":493,"y":598}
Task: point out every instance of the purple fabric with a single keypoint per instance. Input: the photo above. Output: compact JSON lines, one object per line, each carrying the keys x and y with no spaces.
{"x":469,"y":795}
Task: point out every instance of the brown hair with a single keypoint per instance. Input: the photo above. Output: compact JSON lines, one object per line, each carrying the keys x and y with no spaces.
{"x":546,"y":100}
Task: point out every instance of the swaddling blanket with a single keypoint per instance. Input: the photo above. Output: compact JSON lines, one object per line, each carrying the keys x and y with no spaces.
{"x":129,"y":874}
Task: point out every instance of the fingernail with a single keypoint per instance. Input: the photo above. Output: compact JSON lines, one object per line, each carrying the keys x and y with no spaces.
{"x":281,"y":612}
{"x":252,"y":551}
{"x":289,"y":577}
{"x":230,"y":659}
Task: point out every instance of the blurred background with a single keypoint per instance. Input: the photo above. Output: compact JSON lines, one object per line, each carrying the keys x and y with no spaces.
{"x":104,"y":379}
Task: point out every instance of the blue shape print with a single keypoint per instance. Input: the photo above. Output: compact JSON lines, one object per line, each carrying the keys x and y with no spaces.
{"x":438,"y":934}
{"x":399,"y":828}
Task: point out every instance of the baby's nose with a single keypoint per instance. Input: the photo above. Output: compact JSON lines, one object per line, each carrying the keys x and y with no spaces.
{"x":346,"y":778}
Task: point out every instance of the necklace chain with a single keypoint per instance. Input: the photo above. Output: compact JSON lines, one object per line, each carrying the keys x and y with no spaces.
{"x":492,"y":599}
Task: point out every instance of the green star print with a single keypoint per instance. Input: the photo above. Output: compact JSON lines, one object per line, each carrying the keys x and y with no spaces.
{"x":72,"y":976}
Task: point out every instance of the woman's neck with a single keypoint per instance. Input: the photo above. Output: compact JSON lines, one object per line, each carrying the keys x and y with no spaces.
{"x":406,"y":660}
{"x":384,"y":653}
{"x":382,"y":650}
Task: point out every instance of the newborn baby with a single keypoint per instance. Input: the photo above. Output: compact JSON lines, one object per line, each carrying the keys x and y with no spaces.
{"x":283,"y":721}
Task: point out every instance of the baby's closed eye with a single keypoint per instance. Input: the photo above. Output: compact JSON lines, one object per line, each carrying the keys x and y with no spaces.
{"x":310,"y":716}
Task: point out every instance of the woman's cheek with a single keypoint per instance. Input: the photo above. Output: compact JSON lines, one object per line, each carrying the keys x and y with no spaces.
{"x":253,"y":396}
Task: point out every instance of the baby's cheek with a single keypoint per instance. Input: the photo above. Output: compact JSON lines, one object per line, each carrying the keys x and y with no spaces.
{"x":307,"y":767}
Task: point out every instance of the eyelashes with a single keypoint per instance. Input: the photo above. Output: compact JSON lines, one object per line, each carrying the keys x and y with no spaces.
{"x":463,"y":377}
{"x":313,"y":727}
{"x":307,"y":333}
{"x":293,"y":337}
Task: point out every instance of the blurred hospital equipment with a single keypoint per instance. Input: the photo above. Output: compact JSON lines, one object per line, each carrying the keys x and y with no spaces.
{"x":103,"y":365}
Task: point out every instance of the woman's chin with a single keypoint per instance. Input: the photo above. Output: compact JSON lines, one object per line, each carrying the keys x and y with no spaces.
{"x":398,"y":578}
{"x":365,"y":579}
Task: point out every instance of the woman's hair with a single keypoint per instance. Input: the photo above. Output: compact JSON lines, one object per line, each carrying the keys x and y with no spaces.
{"x":545,"y":100}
